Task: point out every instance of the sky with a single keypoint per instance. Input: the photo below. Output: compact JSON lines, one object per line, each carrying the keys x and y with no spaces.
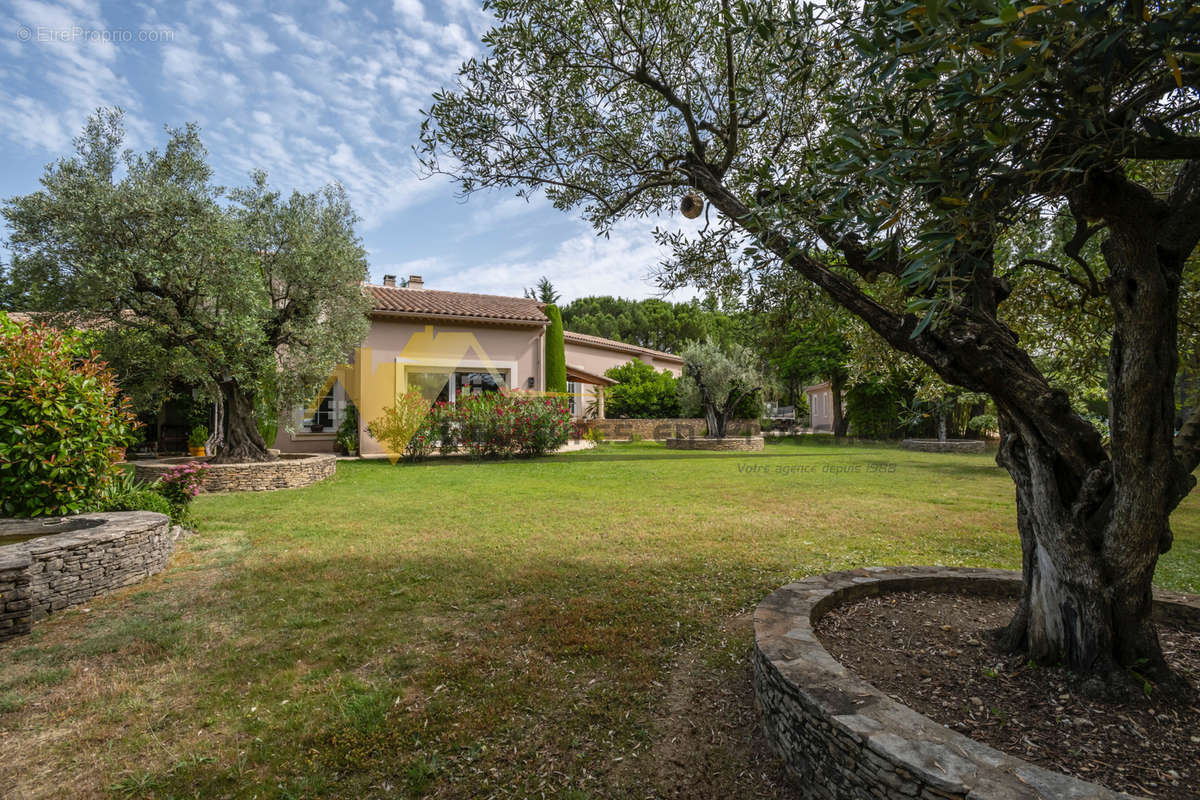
{"x":312,"y":92}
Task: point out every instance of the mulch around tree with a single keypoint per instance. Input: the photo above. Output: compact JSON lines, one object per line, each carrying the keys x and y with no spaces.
{"x":930,"y":651}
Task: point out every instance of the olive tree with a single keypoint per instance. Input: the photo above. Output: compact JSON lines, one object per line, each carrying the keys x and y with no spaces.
{"x":715,"y":380}
{"x":240,"y":291}
{"x":879,"y":151}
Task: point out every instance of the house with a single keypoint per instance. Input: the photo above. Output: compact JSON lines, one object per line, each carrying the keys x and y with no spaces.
{"x":449,"y":345}
{"x":820,"y":406}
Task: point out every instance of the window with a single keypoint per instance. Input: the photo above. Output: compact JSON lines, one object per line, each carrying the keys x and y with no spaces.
{"x":572,"y":396}
{"x":328,"y":414}
{"x":445,"y":386}
{"x":433,"y":386}
{"x":471,"y":384}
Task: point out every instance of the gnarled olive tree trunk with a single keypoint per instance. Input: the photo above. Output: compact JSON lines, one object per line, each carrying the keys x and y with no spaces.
{"x":1091,"y":536}
{"x":1092,"y":521}
{"x":242,"y":442}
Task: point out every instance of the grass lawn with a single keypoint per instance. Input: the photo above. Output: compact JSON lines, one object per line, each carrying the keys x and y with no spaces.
{"x":571,"y":627}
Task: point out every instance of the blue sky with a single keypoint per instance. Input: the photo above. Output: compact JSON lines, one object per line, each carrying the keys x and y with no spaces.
{"x":313,"y":93}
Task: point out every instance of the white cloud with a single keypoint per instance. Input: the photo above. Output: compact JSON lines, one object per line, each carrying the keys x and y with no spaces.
{"x":585,"y":264}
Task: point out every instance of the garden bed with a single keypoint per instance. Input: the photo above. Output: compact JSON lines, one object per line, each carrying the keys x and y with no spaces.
{"x":290,"y":471}
{"x":843,"y":737}
{"x":929,"y":649}
{"x":728,"y":444}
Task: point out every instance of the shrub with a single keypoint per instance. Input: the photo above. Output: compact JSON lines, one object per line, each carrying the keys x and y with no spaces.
{"x":641,"y":393}
{"x":127,"y":494}
{"x":63,"y":423}
{"x":405,"y":429}
{"x":198,"y":436}
{"x":501,"y":426}
{"x":498,"y":425}
{"x":180,"y":485}
{"x":347,"y":433}
{"x":874,"y":410}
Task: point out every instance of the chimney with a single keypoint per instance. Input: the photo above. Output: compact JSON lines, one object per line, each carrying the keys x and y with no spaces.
{"x":389,"y":280}
{"x":415,"y":282}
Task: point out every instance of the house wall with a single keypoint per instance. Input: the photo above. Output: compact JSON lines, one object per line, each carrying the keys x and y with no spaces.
{"x":394,"y":344}
{"x":820,"y":405}
{"x":596,"y":359}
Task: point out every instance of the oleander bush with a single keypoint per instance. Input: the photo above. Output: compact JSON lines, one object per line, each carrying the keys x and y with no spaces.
{"x":63,"y":422}
{"x":406,"y":428}
{"x":499,"y":425}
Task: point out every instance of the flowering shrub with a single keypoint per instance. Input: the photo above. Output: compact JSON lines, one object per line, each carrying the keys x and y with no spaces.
{"x":63,"y":423}
{"x":500,"y":426}
{"x":497,"y":425}
{"x":407,"y":428}
{"x":180,"y":485}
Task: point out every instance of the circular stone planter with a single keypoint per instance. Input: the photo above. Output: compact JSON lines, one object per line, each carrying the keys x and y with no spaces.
{"x":290,"y":471}
{"x":47,"y":565}
{"x":840,"y":737}
{"x":728,"y":444}
{"x":948,"y":446}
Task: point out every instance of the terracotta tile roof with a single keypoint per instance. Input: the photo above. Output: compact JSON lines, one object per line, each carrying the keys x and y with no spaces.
{"x":435,"y":303}
{"x":583,"y":376}
{"x":612,"y":344}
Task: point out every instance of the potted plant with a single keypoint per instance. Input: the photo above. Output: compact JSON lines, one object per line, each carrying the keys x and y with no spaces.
{"x":196,"y":440}
{"x":347,"y":434}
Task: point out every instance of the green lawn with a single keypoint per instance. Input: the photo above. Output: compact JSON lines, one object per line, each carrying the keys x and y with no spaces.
{"x":570,"y":627}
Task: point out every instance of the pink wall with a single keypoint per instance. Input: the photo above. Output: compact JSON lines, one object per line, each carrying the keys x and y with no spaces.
{"x":392,"y":344}
{"x":596,"y":359}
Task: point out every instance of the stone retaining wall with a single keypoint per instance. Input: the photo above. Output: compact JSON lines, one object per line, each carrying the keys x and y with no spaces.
{"x":729,"y":444}
{"x":948,"y":446}
{"x":842,"y":739}
{"x":291,"y":471}
{"x":49,"y":573}
{"x":623,"y":430}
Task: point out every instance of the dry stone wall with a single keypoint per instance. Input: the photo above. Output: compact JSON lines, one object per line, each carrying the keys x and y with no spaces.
{"x":842,"y":739}
{"x":290,"y":471}
{"x":108,"y":551}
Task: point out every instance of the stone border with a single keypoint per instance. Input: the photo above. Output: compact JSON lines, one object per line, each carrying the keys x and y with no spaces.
{"x":620,"y":429}
{"x":102,"y":553}
{"x":291,"y":471}
{"x":840,"y":737}
{"x":728,"y":444}
{"x":948,"y":446}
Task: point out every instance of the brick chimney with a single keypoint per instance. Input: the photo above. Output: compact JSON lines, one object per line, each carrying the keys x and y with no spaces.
{"x":389,"y":280}
{"x":415,"y":282}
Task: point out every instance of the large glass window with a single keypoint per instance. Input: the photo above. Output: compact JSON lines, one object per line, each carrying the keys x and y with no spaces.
{"x":471,"y":384}
{"x":447,"y":386}
{"x":433,"y":386}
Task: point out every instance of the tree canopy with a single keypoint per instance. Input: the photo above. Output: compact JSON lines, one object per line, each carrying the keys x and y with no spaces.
{"x":657,"y":324}
{"x":240,"y":291}
{"x":889,"y":185}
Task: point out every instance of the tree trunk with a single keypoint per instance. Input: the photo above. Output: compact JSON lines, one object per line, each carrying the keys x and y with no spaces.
{"x":243,"y":443}
{"x":715,"y":420}
{"x":1091,"y":539}
{"x":1092,"y":524}
{"x":839,"y":419}
{"x":941,"y":423}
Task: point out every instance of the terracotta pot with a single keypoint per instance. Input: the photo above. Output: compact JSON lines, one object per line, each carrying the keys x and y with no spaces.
{"x":196,"y":452}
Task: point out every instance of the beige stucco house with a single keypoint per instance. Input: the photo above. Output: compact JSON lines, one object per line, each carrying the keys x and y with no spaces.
{"x":820,"y":406}
{"x":448,"y":345}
